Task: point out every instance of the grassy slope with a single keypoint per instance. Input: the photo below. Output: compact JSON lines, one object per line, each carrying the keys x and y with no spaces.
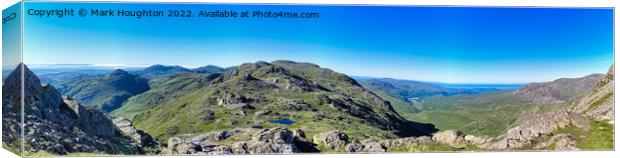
{"x":479,"y":114}
{"x":599,"y":137}
{"x":163,"y":89}
{"x":477,"y":121}
{"x":399,"y":105}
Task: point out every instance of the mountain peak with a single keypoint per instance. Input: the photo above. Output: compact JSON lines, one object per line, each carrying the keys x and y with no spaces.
{"x":119,"y":72}
{"x":162,"y":70}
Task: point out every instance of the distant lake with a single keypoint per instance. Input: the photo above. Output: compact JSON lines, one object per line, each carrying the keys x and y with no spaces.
{"x":283,"y":121}
{"x":496,"y":86}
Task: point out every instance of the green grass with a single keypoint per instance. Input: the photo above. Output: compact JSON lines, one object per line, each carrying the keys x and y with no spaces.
{"x":41,"y":154}
{"x":476,"y":121}
{"x":399,"y":105}
{"x":432,"y":147}
{"x":599,"y":137}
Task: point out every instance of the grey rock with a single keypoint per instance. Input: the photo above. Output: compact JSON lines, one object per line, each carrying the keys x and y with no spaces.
{"x":274,"y":135}
{"x":126,"y":127}
{"x":233,"y":101}
{"x":450,"y":137}
{"x":56,"y":124}
{"x":265,"y":141}
{"x":477,"y":140}
{"x":332,"y":139}
{"x":561,"y":142}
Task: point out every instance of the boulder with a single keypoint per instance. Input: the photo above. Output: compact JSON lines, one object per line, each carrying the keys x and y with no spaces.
{"x":392,"y":143}
{"x":140,"y":137}
{"x":450,"y":137}
{"x":258,"y":147}
{"x":248,"y":141}
{"x":561,"y":141}
{"x":233,"y":101}
{"x":332,"y":139}
{"x":274,"y":135}
{"x":477,"y":140}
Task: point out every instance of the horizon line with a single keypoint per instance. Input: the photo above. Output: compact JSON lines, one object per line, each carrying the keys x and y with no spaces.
{"x":121,"y":66}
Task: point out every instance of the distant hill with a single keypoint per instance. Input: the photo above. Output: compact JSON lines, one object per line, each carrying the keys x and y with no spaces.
{"x":211,"y":69}
{"x":107,"y":92}
{"x":162,"y":71}
{"x":559,"y":90}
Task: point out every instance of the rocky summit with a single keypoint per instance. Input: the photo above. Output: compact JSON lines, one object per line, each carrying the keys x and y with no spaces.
{"x":56,"y":124}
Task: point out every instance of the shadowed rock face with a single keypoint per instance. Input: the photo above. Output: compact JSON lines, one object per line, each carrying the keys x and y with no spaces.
{"x":56,"y":124}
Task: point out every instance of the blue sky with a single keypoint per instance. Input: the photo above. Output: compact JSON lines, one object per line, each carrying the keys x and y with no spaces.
{"x":441,"y":44}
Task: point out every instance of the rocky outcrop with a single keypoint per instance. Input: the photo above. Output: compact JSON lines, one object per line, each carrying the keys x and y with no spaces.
{"x":599,"y":104}
{"x":534,"y":126}
{"x":369,"y":147}
{"x":450,"y":137}
{"x":247,"y":141}
{"x":337,"y":141}
{"x":54,"y":123}
{"x":142,"y":138}
{"x":477,"y":140}
{"x":233,"y":101}
{"x":561,"y":141}
{"x":332,"y":140}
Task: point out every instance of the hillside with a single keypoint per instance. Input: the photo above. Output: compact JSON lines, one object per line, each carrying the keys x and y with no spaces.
{"x":585,"y":123}
{"x":559,"y":90}
{"x":259,"y":94}
{"x":56,"y":124}
{"x":107,"y":92}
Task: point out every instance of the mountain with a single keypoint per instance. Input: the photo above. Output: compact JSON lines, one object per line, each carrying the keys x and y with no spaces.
{"x":211,"y":69}
{"x":107,"y":92}
{"x":263,"y":95}
{"x":559,"y":90}
{"x":54,"y":123}
{"x":161,"y":70}
{"x":583,"y":123}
